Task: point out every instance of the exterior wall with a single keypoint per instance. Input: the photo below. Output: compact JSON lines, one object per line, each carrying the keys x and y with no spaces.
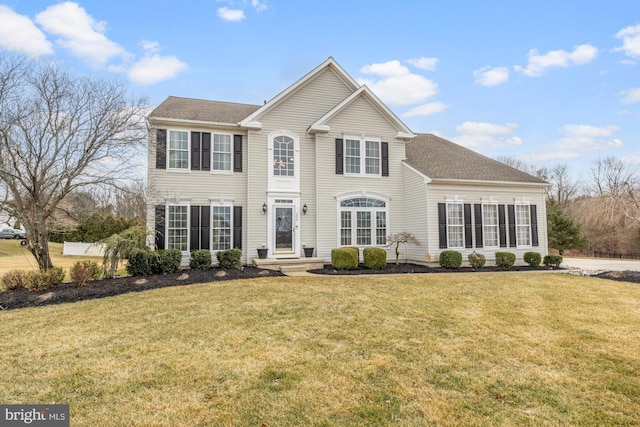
{"x":416,"y":220}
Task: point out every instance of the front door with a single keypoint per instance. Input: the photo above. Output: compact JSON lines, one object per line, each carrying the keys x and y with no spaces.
{"x":284,"y":229}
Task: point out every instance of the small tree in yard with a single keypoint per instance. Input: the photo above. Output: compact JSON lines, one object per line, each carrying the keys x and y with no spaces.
{"x":122,"y":246}
{"x":401,"y":238}
{"x":564,"y":232}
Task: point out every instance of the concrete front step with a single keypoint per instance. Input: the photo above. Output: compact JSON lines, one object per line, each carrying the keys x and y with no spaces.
{"x":288,"y":264}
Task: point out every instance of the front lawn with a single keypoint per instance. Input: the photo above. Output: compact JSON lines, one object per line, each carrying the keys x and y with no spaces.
{"x":437,"y":349}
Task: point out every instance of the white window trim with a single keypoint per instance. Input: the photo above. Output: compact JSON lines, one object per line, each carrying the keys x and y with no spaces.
{"x":363,"y":156}
{"x":231,"y":154}
{"x":461,"y":203}
{"x":169,"y":149}
{"x":515,"y":220}
{"x":497,"y":225}
{"x":166,"y":227}
{"x":222,"y":203}
{"x":354,"y":219}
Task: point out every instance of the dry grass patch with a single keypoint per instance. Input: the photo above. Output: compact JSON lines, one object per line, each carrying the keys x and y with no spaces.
{"x":485,"y":349}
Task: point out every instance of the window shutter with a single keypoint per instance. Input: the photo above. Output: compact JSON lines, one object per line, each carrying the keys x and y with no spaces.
{"x":237,"y":227}
{"x":194,"y":229}
{"x":237,"y":153}
{"x":468,"y":236}
{"x":385,"y":158}
{"x":195,"y":151}
{"x":502,"y":229}
{"x":160,"y":218}
{"x":161,"y":149}
{"x":339,"y":156}
{"x":478,"y":217}
{"x":442,"y":225}
{"x":534,"y":225}
{"x":205,"y":227}
{"x":205,"y":158}
{"x":512,"y":225}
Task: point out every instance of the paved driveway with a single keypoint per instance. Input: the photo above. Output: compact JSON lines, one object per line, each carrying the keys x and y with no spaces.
{"x":607,"y":264}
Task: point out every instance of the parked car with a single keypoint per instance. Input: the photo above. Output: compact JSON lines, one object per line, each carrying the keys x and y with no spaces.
{"x":10,"y":233}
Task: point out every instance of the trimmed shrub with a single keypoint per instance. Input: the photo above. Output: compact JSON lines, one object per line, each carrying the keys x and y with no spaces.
{"x":375,"y":258}
{"x":230,"y":259}
{"x":477,"y":261}
{"x":13,"y":279}
{"x":166,"y":261}
{"x":505,"y":259}
{"x":200,"y":259}
{"x":552,"y":261}
{"x":532,"y":258}
{"x":140,"y":263}
{"x":83,"y":271}
{"x":450,"y":259}
{"x":59,"y":274}
{"x":345,"y":258}
{"x":40,"y":280}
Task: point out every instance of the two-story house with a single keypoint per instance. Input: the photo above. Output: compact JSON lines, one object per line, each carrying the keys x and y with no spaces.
{"x":326,"y":164}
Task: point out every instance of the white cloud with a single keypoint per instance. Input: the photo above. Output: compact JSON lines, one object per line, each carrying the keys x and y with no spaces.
{"x":631,"y":96}
{"x":630,"y":41}
{"x":79,"y":33}
{"x":19,"y":34}
{"x":426,"y":109}
{"x":398,"y":85}
{"x":538,"y":64}
{"x":486,"y":135}
{"x":488,"y":76}
{"x":155,"y":68}
{"x":231,"y":15}
{"x":258,"y":5}
{"x":386,"y":69}
{"x":579,"y":141}
{"x":427,"y":64}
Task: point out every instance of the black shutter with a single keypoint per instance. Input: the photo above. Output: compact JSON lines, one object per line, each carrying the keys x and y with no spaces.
{"x":385,"y":158}
{"x":478,"y":217}
{"x":502,"y":227}
{"x":205,"y":159}
{"x":205,"y":227}
{"x":442,"y":225}
{"x":237,"y":153}
{"x":161,"y":149}
{"x":339,"y":156}
{"x":534,"y":225}
{"x":195,"y":151}
{"x":512,"y":225}
{"x":468,"y":236}
{"x":237,"y":227}
{"x":194,"y":229}
{"x":160,"y":216}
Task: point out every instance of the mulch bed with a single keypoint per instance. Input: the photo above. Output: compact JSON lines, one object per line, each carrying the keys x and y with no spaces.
{"x":622,"y":276}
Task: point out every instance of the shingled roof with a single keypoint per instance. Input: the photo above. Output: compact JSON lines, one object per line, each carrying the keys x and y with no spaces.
{"x":438,"y":158}
{"x":201,"y":110}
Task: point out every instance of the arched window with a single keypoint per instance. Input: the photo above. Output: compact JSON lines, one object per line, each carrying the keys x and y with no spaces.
{"x":283,"y":156}
{"x":363,"y":221}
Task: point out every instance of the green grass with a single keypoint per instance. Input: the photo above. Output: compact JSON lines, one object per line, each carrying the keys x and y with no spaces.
{"x":451,"y":349}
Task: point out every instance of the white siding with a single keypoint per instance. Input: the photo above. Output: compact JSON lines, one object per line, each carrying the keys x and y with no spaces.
{"x":416,"y":220}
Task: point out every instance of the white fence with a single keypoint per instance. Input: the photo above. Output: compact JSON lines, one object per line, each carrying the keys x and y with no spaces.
{"x":83,"y":249}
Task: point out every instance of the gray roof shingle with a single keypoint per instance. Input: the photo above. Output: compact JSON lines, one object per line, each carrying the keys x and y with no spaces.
{"x":438,"y":158}
{"x":201,"y":110}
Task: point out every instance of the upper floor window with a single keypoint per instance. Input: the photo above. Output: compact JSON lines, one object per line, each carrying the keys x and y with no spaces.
{"x":362,"y":156}
{"x":490,"y":225}
{"x":221,"y":152}
{"x":523,"y":225}
{"x":283,"y":156}
{"x":455,"y":225}
{"x":178,"y":149}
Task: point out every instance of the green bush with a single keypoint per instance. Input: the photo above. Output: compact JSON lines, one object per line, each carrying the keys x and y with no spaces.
{"x":41,"y":280}
{"x":58,"y":275}
{"x":345,"y":258}
{"x":140,"y":263}
{"x":450,"y":259}
{"x":83,"y":271}
{"x":166,"y":261}
{"x":230,"y":259}
{"x":375,"y":258}
{"x":200,"y":259}
{"x":505,"y":259}
{"x":13,"y":279}
{"x":532,"y":258}
{"x":477,"y":261}
{"x":552,"y":261}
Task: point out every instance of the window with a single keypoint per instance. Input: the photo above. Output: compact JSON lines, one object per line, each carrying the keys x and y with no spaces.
{"x":221,"y":228}
{"x":221,"y":152}
{"x":490,"y":225}
{"x":355,"y":162}
{"x":283,"y":156}
{"x":178,"y":228}
{"x":178,"y":149}
{"x":363,"y":222}
{"x":455,"y":225}
{"x":523,"y":225}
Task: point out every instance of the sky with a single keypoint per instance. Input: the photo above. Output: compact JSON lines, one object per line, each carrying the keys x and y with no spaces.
{"x":544,"y":82}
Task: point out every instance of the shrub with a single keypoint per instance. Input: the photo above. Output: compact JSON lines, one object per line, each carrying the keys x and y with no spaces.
{"x":505,"y":259}
{"x":375,"y":258}
{"x":200,"y":259}
{"x":13,"y":279}
{"x":59,"y":274}
{"x":230,"y":259}
{"x":40,"y":280}
{"x":345,"y":258}
{"x":552,"y":261}
{"x":83,"y":271}
{"x":532,"y":258}
{"x":450,"y":259}
{"x":140,"y":263}
{"x":477,"y":261}
{"x":166,"y":261}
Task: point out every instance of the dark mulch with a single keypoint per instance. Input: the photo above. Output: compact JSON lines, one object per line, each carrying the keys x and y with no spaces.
{"x":622,"y":276}
{"x":416,"y":268}
{"x":67,"y":292}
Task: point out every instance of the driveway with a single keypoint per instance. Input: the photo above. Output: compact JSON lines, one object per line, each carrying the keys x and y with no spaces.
{"x":607,"y":264}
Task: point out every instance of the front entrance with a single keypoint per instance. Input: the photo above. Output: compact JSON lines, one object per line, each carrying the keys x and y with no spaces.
{"x":283,"y":230}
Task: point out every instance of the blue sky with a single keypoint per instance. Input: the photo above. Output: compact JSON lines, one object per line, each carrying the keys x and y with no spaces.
{"x":546,"y":82}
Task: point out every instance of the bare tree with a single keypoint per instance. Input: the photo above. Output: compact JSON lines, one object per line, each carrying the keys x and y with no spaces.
{"x":563,"y":188}
{"x":539,"y":172}
{"x":60,"y":133}
{"x":618,"y":184}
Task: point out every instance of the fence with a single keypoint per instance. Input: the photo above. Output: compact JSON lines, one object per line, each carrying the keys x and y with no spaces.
{"x":619,"y":255}
{"x":83,"y":249}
